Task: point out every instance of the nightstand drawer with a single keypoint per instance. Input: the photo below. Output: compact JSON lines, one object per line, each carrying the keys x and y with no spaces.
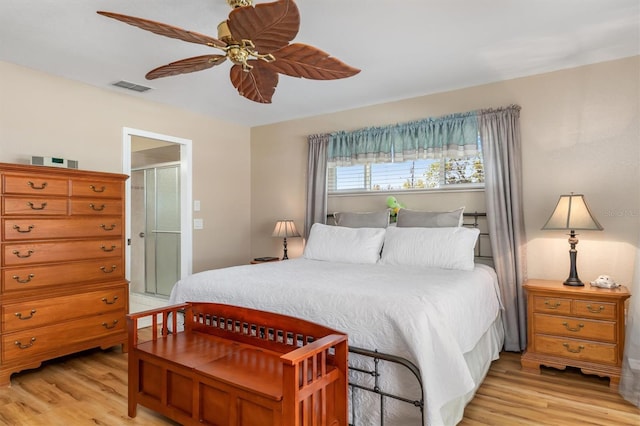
{"x":579,"y":328}
{"x":556,"y":305}
{"x":595,"y":309}
{"x":602,"y":353}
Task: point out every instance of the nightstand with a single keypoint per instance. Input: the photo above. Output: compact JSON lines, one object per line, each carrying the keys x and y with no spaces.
{"x":579,"y":327}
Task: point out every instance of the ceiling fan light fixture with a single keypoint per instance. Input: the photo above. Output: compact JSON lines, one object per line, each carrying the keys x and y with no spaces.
{"x":258,"y":41}
{"x":239,"y":3}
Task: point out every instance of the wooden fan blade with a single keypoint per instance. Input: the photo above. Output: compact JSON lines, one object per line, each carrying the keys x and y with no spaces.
{"x":302,"y":60}
{"x":165,"y":30}
{"x":269,"y":25}
{"x":185,"y":66}
{"x":258,"y":85}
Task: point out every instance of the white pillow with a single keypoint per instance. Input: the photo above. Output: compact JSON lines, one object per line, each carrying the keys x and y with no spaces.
{"x":342,"y":244}
{"x":448,"y":248}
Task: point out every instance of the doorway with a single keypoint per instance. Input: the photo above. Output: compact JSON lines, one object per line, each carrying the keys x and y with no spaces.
{"x":155,"y":229}
{"x":158,"y":215}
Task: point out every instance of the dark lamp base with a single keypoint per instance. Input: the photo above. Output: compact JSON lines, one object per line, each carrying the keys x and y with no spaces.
{"x":573,"y":282}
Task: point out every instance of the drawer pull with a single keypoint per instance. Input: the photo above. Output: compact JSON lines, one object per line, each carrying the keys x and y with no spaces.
{"x":573,"y":351}
{"x":555,"y":305}
{"x":97,"y":208}
{"x":20,"y":317}
{"x":594,"y":310}
{"x":578,"y":328}
{"x":33,"y":206}
{"x":104,"y":248}
{"x":28,"y":345}
{"x":23,"y":231}
{"x":104,"y":269}
{"x":113,"y":226}
{"x":95,"y":189}
{"x":33,"y":185}
{"x":23,"y":256}
{"x":108,"y":327}
{"x":115,"y":298}
{"x":26,"y":280}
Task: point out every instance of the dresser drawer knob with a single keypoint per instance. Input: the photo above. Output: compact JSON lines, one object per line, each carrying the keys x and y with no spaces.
{"x":573,"y":351}
{"x":552,"y":305}
{"x":33,"y":185}
{"x":566,"y":324}
{"x":23,"y":281}
{"x":23,"y":256}
{"x":111,"y":228}
{"x":97,"y":208}
{"x":105,"y":300}
{"x":104,"y":269}
{"x":595,"y":310}
{"x":28,"y":345}
{"x":95,"y":188}
{"x":112,"y":325}
{"x":20,"y":317}
{"x":105,"y":248}
{"x":33,"y":206}
{"x":23,"y":231}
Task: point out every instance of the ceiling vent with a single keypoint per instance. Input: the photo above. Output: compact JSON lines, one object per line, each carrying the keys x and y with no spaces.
{"x":131,"y":86}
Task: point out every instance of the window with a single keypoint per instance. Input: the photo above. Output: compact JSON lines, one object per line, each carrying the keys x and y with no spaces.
{"x":408,"y":175}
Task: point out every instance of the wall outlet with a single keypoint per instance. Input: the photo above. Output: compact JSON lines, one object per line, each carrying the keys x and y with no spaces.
{"x":198,"y":224}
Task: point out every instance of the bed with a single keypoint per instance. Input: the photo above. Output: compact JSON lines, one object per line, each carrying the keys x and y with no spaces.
{"x":414,"y":293}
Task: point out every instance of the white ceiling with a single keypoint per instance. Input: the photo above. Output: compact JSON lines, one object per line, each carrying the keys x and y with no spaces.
{"x":404,"y":48}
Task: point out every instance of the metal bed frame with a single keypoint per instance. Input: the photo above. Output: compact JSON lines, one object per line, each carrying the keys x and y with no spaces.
{"x":375,"y":358}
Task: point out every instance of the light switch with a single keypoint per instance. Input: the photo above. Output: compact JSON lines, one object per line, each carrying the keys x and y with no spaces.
{"x":196,"y":205}
{"x":198,"y":224}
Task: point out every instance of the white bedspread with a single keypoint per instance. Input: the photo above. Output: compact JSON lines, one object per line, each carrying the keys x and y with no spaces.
{"x":429,"y":316}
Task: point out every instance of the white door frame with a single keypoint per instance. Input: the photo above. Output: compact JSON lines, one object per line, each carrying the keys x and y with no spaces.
{"x":186,"y":255}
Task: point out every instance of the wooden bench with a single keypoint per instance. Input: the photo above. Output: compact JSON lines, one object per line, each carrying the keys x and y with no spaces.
{"x":234,"y":366}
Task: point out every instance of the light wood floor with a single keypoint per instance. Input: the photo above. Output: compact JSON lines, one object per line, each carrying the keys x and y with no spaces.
{"x":91,"y":389}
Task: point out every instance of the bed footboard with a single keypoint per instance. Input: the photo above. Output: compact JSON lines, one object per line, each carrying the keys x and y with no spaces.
{"x":366,"y":377}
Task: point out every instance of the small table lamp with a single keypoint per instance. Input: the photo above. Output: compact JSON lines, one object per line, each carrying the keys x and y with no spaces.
{"x":572,"y":213}
{"x":284,"y":229}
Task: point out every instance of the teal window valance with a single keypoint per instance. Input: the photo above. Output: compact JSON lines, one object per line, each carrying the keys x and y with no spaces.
{"x":453,"y":136}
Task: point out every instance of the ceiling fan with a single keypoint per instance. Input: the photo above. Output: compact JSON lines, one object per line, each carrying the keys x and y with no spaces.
{"x":257,"y":41}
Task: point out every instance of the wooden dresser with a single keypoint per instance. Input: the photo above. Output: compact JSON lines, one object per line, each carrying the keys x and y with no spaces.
{"x":63,"y":285}
{"x":581,"y":327}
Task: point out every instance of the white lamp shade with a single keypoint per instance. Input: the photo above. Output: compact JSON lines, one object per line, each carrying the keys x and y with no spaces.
{"x":572,"y":212}
{"x":285,"y":229}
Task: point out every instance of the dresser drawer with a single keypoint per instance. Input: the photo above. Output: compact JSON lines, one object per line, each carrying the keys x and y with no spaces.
{"x":583,"y":350}
{"x":32,"y":229}
{"x":29,"y":344}
{"x":67,"y":275}
{"x":96,"y":207}
{"x":97,"y":188}
{"x":556,"y":305}
{"x":578,"y":328}
{"x":62,"y":251}
{"x":594,"y":309}
{"x":37,"y":313}
{"x":34,"y":206}
{"x":34,"y":184}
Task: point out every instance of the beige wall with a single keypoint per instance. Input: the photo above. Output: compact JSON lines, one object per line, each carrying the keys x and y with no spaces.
{"x":580,"y":133}
{"x":45,"y":115}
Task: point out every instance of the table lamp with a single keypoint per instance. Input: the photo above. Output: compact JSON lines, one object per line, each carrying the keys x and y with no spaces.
{"x":572,"y":213}
{"x":285,"y":228}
